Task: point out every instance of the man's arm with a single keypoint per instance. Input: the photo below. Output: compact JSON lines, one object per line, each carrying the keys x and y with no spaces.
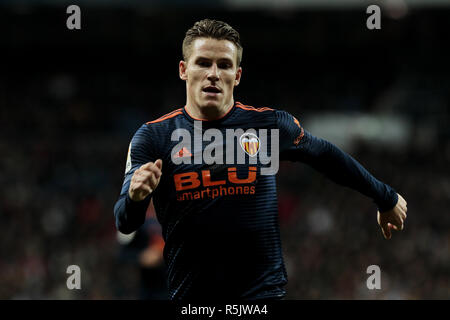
{"x":142,"y":176}
{"x":340,"y":167}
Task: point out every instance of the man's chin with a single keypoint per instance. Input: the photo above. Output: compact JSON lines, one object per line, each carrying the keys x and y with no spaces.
{"x":210,"y":104}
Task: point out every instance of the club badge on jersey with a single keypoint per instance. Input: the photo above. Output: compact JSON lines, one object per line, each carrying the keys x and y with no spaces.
{"x":250,"y":143}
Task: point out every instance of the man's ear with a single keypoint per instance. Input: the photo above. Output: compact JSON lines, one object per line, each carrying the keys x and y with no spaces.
{"x":237,"y":79}
{"x":182,"y":68}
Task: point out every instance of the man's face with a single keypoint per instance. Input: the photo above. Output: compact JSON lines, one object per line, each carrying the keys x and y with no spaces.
{"x":210,"y":73}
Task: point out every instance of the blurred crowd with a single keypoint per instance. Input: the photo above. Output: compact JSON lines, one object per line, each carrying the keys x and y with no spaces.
{"x":63,"y":145}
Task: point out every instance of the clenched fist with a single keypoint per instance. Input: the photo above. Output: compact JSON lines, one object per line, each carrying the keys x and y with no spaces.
{"x":145,"y":180}
{"x":393,"y":219}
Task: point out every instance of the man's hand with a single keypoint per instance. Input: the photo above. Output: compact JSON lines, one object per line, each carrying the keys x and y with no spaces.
{"x":145,"y":180}
{"x":393,"y":219}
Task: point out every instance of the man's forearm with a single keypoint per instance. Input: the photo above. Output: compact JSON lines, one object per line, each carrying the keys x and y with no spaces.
{"x":343,"y":169}
{"x":129,"y":214}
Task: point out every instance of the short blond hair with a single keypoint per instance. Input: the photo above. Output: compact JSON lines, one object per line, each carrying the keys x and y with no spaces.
{"x":214,"y":29}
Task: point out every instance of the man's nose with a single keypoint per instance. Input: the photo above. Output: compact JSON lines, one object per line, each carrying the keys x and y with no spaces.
{"x":213,"y":74}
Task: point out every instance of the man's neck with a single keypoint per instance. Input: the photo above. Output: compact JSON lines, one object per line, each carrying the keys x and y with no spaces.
{"x":208,"y":113}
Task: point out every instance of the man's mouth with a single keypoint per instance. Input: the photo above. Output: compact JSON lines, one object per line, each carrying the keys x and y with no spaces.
{"x":211,"y":90}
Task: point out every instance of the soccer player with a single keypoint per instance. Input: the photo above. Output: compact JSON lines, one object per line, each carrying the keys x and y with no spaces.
{"x":219,"y":219}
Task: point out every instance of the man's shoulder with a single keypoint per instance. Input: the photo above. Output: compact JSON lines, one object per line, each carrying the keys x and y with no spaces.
{"x":260,"y":113}
{"x":164,"y":118}
{"x":157,"y":130}
{"x":249,"y":108}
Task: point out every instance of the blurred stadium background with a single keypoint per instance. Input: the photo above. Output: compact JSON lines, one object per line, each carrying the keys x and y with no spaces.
{"x":70,"y":102}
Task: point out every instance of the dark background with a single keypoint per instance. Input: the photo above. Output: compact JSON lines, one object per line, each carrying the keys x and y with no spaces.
{"x":70,"y":101}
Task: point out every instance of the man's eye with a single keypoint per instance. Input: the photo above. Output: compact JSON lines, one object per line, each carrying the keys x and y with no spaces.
{"x":224,"y":65}
{"x":203,"y":64}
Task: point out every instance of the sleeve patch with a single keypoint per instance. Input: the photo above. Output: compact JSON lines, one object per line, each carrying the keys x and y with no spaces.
{"x":128,"y":165}
{"x":300,"y":136}
{"x":296,"y":122}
